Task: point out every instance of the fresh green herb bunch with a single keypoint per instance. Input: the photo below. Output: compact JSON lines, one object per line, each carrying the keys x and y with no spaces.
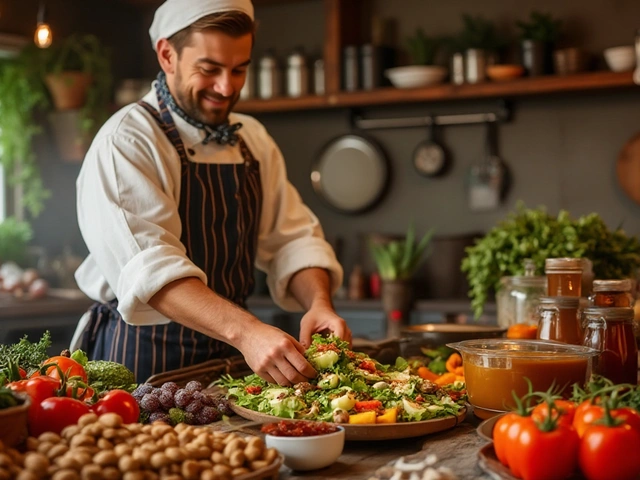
{"x":535,"y":234}
{"x":400,"y":259}
{"x":26,"y":354}
{"x":478,"y":32}
{"x":423,"y":48}
{"x":14,"y":237}
{"x":541,"y":27}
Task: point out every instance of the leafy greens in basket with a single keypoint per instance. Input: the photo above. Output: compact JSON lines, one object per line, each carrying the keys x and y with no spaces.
{"x":349,"y":387}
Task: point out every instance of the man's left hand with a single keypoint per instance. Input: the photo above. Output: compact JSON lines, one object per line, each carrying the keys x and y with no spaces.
{"x":323,"y":320}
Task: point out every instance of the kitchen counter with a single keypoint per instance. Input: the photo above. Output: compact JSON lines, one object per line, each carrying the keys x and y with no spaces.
{"x":456,"y":449}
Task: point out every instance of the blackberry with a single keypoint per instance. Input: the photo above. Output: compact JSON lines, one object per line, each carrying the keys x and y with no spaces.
{"x":182,"y":398}
{"x":197,"y":395}
{"x":157,"y":391}
{"x":224,"y":407}
{"x":194,"y":407}
{"x":171,"y":387}
{"x":141,"y":390}
{"x":150,"y":403}
{"x":208,"y":400}
{"x":193,"y":386}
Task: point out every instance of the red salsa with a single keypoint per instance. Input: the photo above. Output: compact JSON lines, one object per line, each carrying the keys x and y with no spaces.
{"x":301,"y":428}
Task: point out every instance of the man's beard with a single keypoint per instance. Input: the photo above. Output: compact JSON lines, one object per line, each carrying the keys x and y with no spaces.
{"x":191,"y":105}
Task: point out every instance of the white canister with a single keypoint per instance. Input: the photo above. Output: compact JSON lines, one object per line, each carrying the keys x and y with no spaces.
{"x":297,"y":75}
{"x":269,"y":77}
{"x":476,"y":62}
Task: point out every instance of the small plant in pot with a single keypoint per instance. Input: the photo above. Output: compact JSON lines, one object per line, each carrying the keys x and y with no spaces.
{"x":397,"y":262}
{"x":538,"y":38}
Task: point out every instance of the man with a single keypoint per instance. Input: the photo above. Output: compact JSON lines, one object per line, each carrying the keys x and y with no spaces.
{"x":175,"y":204}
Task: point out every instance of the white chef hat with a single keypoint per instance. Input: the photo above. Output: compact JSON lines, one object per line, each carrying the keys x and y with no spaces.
{"x":174,"y":15}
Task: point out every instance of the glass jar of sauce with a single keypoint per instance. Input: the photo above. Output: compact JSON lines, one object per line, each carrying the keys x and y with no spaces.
{"x":612,"y":293}
{"x":610,"y":331}
{"x":564,"y":277}
{"x":559,"y":320}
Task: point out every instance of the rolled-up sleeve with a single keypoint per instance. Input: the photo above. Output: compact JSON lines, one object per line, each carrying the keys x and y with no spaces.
{"x":291,"y":237}
{"x":127,"y":213}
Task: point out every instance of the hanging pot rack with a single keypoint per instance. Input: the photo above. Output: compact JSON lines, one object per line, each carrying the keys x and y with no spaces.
{"x":502,"y":114}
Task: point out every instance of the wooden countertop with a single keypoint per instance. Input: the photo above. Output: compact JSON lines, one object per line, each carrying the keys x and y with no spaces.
{"x":456,"y":449}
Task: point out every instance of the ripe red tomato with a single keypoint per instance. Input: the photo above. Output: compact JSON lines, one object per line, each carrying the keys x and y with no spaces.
{"x":69,"y":367}
{"x":610,"y":452}
{"x":55,"y":413}
{"x":120,"y":402}
{"x":588,"y":414}
{"x":529,"y":455}
{"x":564,"y":413}
{"x":505,"y":433}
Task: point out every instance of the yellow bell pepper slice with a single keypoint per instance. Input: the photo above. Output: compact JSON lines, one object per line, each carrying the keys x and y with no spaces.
{"x":390,"y":415}
{"x":363,"y":417}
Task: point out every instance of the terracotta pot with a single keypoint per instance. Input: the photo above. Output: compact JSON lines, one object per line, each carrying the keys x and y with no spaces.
{"x":14,"y":423}
{"x":68,"y":89}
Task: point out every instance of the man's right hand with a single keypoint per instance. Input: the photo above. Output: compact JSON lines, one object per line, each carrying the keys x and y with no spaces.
{"x":275,"y":356}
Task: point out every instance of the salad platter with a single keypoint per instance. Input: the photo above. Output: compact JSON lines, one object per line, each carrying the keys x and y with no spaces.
{"x":371,"y":400}
{"x":372,"y":432}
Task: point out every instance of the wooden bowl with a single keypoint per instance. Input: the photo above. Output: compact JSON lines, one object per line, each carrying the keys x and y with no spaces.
{"x":14,"y":422}
{"x":502,"y":73}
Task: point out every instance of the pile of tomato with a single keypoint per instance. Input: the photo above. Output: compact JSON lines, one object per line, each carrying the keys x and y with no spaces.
{"x":60,"y":395}
{"x":597,"y":436}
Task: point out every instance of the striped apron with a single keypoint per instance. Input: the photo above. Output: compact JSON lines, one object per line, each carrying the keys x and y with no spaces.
{"x":219,"y":209}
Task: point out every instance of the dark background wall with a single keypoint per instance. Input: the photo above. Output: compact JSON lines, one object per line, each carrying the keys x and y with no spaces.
{"x":560,"y":149}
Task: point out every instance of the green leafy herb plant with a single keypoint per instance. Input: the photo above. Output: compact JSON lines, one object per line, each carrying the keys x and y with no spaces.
{"x":540,"y":27}
{"x":14,"y":238}
{"x":400,"y":259}
{"x":478,"y":32}
{"x":422,"y":48}
{"x":537,"y":235}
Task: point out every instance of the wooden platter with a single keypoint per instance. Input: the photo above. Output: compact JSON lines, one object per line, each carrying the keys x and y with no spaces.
{"x":388,"y":431}
{"x":628,"y":168}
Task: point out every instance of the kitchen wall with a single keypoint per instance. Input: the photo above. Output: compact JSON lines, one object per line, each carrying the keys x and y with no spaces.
{"x":561,"y":149}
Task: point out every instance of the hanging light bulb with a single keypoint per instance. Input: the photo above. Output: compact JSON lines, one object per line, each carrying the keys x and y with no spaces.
{"x":43,"y":36}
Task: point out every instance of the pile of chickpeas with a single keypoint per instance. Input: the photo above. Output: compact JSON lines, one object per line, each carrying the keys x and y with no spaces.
{"x":102,"y":448}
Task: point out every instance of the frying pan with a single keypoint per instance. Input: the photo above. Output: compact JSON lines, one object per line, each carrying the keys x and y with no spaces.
{"x":351,"y":173}
{"x":429,"y":157}
{"x":628,"y":168}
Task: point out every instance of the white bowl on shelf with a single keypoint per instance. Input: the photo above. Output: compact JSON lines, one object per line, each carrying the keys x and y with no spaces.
{"x":414,"y":76}
{"x":621,"y":59}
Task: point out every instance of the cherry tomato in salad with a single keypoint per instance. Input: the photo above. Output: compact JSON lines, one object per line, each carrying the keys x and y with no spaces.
{"x":120,"y":402}
{"x":608,"y":452}
{"x":55,"y":413}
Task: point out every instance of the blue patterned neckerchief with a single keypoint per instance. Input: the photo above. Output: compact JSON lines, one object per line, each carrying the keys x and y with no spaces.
{"x":222,"y":134}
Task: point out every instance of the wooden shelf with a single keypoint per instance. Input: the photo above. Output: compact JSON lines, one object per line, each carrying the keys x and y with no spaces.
{"x":550,"y":84}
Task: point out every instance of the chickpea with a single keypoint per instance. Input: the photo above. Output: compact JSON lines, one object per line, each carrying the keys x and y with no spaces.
{"x":123,"y":449}
{"x":127,"y":463}
{"x":91,"y":472}
{"x":65,"y":474}
{"x":104,"y":444}
{"x":45,"y":447}
{"x":4,"y":474}
{"x":218,"y":457}
{"x":270,"y":454}
{"x":236,"y":444}
{"x":258,"y":464}
{"x":82,"y":440}
{"x":236,"y":472}
{"x":57,"y":451}
{"x":32,"y":444}
{"x":110,"y":433}
{"x":222,"y":471}
{"x":69,"y":462}
{"x":105,"y":458}
{"x":111,"y":473}
{"x":112,"y":420}
{"x":159,"y":460}
{"x":190,"y":470}
{"x":87,"y":419}
{"x":134,"y":476}
{"x":69,"y":432}
{"x":236,"y":459}
{"x":27,"y":475}
{"x":176,"y":454}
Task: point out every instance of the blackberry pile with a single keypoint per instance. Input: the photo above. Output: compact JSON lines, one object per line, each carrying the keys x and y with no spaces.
{"x":172,"y":404}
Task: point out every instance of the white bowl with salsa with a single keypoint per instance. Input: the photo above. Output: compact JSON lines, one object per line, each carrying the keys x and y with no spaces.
{"x":305,"y":445}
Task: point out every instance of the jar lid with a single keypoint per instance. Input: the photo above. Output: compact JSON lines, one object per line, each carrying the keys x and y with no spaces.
{"x":527,"y":281}
{"x":623,"y":285}
{"x":562,"y":265}
{"x":609,"y":313}
{"x":560,"y":302}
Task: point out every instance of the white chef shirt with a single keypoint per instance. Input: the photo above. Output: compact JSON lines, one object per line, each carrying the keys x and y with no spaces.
{"x":127,"y":200}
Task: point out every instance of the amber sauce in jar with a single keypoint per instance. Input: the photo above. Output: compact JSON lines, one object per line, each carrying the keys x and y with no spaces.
{"x":610,"y":331}
{"x":612,"y":293}
{"x":564,"y":277}
{"x":559,"y":321}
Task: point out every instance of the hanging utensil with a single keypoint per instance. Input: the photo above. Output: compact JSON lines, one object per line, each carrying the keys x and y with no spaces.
{"x":488,"y":178}
{"x":429,"y":157}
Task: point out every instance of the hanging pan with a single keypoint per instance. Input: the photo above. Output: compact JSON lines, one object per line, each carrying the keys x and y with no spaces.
{"x":351,"y":174}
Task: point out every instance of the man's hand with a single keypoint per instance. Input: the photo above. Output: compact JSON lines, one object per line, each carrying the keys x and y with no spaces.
{"x":323,"y":319}
{"x":276,"y":356}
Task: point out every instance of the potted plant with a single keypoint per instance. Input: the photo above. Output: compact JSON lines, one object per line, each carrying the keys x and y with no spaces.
{"x":481,"y":42}
{"x":422,"y":50}
{"x":534,"y":234}
{"x":397,"y":262}
{"x":14,"y":238}
{"x":538,"y":38}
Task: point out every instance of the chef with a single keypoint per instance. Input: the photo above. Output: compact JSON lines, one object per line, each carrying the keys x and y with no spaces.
{"x":178,"y":199}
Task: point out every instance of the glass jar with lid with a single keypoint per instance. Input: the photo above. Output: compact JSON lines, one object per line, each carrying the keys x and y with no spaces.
{"x":518,"y":298}
{"x":610,"y":331}
{"x":612,"y":293}
{"x":564,"y":277}
{"x":559,"y":320}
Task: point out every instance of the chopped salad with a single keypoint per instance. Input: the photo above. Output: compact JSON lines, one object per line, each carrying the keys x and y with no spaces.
{"x":350,"y":387}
